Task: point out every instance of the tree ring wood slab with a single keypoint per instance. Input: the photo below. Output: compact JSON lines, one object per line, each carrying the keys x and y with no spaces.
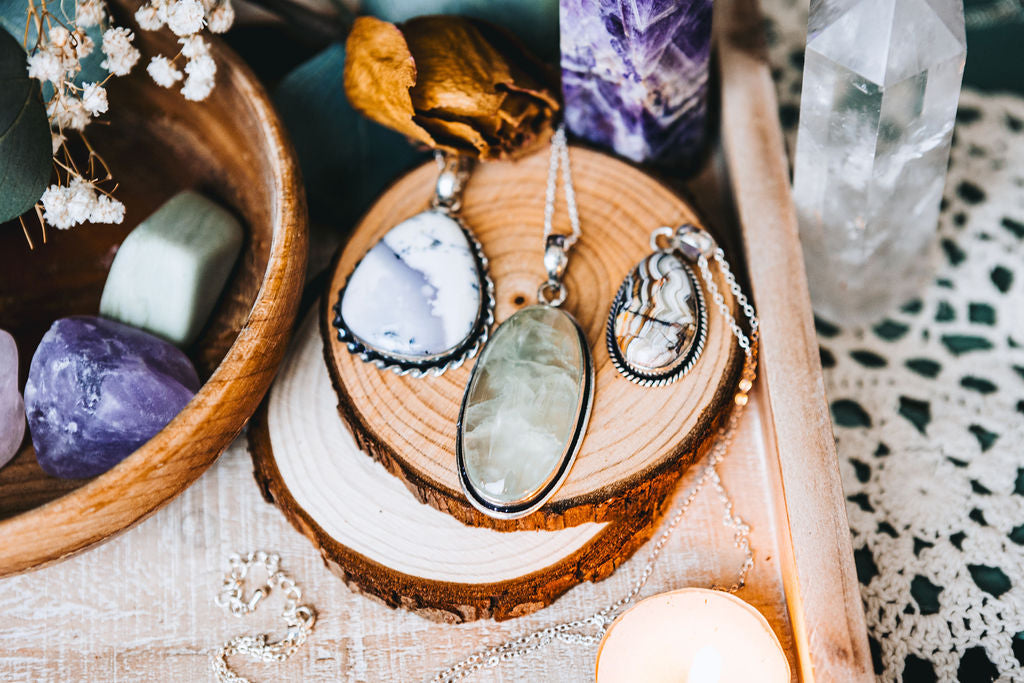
{"x":639,"y":441}
{"x":373,"y":533}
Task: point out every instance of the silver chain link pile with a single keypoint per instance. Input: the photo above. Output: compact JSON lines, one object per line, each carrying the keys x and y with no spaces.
{"x":299,"y":618}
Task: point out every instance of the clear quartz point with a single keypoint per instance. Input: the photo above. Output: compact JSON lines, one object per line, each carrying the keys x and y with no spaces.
{"x":880,"y":91}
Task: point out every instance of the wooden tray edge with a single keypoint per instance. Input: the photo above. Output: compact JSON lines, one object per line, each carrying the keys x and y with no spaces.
{"x":820,"y":579}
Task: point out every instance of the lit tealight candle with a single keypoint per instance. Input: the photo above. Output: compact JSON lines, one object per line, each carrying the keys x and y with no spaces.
{"x":693,"y":635}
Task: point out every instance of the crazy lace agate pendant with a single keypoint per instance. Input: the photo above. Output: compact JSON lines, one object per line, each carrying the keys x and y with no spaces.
{"x":525,"y":412}
{"x":420,"y":300}
{"x":658,"y":321}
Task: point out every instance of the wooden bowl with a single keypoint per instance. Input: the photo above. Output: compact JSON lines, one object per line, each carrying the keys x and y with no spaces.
{"x":231,"y":147}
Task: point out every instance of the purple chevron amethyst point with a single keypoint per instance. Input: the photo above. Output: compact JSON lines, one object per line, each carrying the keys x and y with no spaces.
{"x":97,"y":390}
{"x":635,"y":75}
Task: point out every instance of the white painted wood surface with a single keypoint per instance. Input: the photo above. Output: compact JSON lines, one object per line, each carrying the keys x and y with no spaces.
{"x":140,"y":607}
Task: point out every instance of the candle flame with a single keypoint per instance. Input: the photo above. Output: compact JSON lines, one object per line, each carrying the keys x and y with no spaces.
{"x":706,"y":666}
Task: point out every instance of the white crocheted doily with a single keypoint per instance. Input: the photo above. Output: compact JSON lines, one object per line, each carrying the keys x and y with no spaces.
{"x":928,"y":407}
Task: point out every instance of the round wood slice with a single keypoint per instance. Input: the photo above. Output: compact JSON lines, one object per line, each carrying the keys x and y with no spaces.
{"x":372,"y":532}
{"x":639,"y":440}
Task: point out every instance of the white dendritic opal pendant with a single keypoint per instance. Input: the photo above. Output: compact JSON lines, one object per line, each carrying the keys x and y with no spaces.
{"x":658,"y":322}
{"x":420,"y":300}
{"x":524,"y":412}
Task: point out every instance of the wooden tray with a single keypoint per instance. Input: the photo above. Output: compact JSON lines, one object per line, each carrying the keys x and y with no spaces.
{"x":821,"y":593}
{"x":782,"y":469}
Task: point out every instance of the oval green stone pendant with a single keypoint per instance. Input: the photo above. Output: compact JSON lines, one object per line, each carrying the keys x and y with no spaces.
{"x":524,"y":412}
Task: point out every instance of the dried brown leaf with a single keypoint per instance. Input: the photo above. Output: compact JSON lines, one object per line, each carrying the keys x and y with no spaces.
{"x":379,"y":71}
{"x":455,"y":84}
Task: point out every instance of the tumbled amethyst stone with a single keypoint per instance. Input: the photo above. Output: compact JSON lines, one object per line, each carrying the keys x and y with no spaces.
{"x":635,"y":75}
{"x":97,"y":390}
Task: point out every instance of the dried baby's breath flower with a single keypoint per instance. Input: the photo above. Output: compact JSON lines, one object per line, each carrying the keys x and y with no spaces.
{"x":64,"y":207}
{"x":82,"y":43}
{"x":46,"y":66}
{"x":121,"y":54}
{"x":106,"y":210}
{"x":59,"y":36}
{"x":94,"y":98}
{"x":194,"y":46}
{"x":163,"y":72}
{"x":68,"y":112}
{"x":185,"y":17}
{"x":202,"y":67}
{"x":55,"y":208}
{"x":201,"y":71}
{"x":163,"y":8}
{"x":89,"y":13}
{"x":221,"y":17}
{"x":81,"y":199}
{"x":79,"y":202}
{"x":197,"y":89}
{"x":452,"y":83}
{"x":59,"y":55}
{"x":56,"y":59}
{"x":148,"y":18}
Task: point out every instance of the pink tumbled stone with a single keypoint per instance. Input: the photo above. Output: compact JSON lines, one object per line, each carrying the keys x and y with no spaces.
{"x":12,"y":408}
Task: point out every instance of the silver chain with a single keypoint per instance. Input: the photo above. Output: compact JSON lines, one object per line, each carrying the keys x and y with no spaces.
{"x":738,"y":295}
{"x":553,"y":291}
{"x":560,"y":157}
{"x":590,"y":631}
{"x":299,"y":619}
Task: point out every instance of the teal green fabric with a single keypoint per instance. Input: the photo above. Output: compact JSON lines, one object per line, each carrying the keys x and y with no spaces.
{"x":995,"y":45}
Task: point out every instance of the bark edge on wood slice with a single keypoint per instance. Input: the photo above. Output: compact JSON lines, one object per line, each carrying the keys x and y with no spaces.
{"x":640,"y":440}
{"x":385,"y":544}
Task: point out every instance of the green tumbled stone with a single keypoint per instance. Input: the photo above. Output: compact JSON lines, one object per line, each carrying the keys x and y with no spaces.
{"x":170,"y":270}
{"x":525,"y":407}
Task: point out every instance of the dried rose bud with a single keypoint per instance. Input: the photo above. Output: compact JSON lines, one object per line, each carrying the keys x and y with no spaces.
{"x":453,"y":83}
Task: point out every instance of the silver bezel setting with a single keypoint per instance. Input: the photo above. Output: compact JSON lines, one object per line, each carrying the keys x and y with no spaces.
{"x":692,"y":355}
{"x":436,"y":364}
{"x":536,"y":498}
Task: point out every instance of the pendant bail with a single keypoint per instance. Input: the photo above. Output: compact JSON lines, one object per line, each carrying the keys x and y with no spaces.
{"x":694,"y":242}
{"x":451,"y":181}
{"x":556,"y":259}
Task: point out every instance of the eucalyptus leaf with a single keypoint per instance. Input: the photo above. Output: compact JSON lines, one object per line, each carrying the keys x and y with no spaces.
{"x":346,"y":159}
{"x":25,"y":148}
{"x":535,"y":22}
